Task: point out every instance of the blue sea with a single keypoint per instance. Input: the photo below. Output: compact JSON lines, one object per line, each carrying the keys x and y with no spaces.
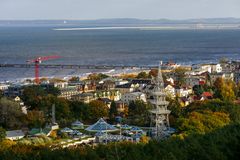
{"x":112,"y":46}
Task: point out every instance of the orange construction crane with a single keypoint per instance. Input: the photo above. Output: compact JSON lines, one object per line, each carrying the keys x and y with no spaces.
{"x":37,"y":62}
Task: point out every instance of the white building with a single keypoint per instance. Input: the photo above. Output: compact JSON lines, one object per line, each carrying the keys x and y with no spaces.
{"x":183,"y":91}
{"x":128,"y":97}
{"x":229,"y":76}
{"x":126,"y":88}
{"x":170,"y":91}
{"x":216,"y":68}
{"x":14,"y":135}
{"x":4,"y":87}
{"x":211,"y":68}
{"x":60,"y":85}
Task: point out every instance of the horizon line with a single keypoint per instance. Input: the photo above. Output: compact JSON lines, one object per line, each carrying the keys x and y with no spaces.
{"x":151,"y":19}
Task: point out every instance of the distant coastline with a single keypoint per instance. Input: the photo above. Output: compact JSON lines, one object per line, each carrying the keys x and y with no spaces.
{"x":129,"y":22}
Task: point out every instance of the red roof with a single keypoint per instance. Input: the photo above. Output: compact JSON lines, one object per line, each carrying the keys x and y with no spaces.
{"x":201,"y":82}
{"x":207,"y":94}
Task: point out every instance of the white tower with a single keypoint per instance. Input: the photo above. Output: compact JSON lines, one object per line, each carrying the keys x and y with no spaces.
{"x":159,"y":113}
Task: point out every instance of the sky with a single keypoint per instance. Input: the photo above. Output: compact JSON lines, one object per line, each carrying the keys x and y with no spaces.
{"x":104,"y":9}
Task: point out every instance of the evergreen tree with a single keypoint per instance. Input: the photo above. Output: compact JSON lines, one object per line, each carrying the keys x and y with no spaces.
{"x":113,"y":110}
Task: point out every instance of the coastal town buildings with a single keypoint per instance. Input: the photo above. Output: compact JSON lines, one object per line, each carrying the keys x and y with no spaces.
{"x":133,"y":96}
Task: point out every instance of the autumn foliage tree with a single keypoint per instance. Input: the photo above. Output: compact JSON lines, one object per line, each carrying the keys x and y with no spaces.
{"x":224,"y":89}
{"x":142,"y":75}
{"x":97,"y":109}
{"x":202,"y":122}
{"x":35,"y":118}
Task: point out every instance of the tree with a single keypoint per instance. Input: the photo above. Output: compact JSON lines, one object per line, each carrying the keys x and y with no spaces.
{"x":63,"y":112}
{"x":138,"y":113}
{"x":2,"y":134}
{"x":32,"y":95}
{"x":35,"y":118}
{"x":217,"y":87}
{"x":153,"y":73}
{"x":97,"y":109}
{"x":208,"y":79}
{"x":74,"y":79}
{"x":97,"y":77}
{"x":180,"y":75}
{"x":224,"y":89}
{"x":203,"y":122}
{"x":176,"y":110}
{"x":198,"y":90}
{"x":53,"y":90}
{"x":227,"y":91}
{"x":11,"y":115}
{"x":223,"y":60}
{"x":238,"y":89}
{"x":79,"y":110}
{"x":1,"y":93}
{"x":113,"y":110}
{"x":142,"y":75}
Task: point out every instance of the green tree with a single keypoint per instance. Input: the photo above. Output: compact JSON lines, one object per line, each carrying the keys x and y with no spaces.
{"x":142,"y":75}
{"x":138,"y":113}
{"x":53,"y":90}
{"x":62,"y":109}
{"x":79,"y":110}
{"x":32,"y":96}
{"x":180,"y":75}
{"x":198,"y":90}
{"x":176,"y":110}
{"x":11,"y":115}
{"x":2,"y":134}
{"x":113,"y":110}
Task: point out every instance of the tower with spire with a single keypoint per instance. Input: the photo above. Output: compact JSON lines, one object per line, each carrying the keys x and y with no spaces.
{"x":159,"y":113}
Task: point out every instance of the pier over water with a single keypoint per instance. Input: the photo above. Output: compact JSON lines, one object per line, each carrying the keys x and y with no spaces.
{"x":68,"y":66}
